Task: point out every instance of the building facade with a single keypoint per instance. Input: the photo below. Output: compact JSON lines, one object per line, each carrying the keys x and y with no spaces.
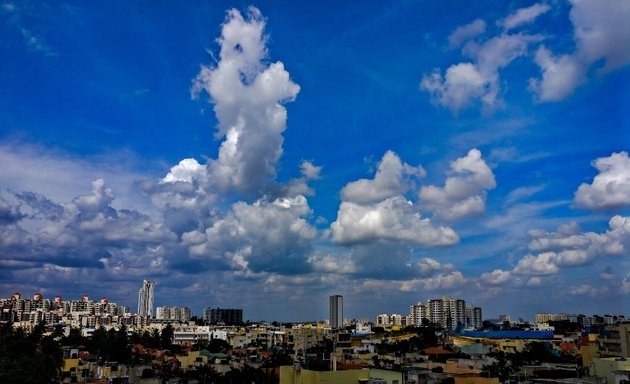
{"x":615,"y":341}
{"x":181,"y":314}
{"x":227,"y":316}
{"x":448,"y":312}
{"x":145,"y":298}
{"x":474,"y":317}
{"x":336,"y":311}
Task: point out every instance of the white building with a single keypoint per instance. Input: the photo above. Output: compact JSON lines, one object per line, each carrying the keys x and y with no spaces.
{"x":448,"y":312}
{"x":145,"y":298}
{"x":417,"y":312}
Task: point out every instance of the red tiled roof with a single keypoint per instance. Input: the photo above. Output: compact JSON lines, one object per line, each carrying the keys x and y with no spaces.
{"x":437,"y":351}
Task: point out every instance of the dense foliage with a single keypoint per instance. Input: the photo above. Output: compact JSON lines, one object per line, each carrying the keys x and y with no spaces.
{"x":29,"y":357}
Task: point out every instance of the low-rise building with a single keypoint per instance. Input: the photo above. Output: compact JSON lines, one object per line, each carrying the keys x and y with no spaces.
{"x":615,"y":341}
{"x":607,"y":366}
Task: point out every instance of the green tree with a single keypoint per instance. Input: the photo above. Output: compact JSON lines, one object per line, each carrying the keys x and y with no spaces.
{"x":120,"y":345}
{"x":166,"y":337}
{"x":74,"y":338}
{"x":28,"y":358}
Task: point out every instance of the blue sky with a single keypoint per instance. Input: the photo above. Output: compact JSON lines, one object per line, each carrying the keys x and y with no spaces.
{"x":268,"y":155}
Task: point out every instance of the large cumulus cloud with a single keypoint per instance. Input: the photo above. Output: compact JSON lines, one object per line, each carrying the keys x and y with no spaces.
{"x":375,"y":210}
{"x":263,"y":236}
{"x":247,"y":95}
{"x":465,"y":189}
{"x":601,"y":36}
{"x":610,"y":188}
{"x":392,"y":178}
{"x":393,"y":219}
{"x":83,"y":232}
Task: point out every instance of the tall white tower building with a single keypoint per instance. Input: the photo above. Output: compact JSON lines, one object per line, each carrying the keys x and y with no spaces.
{"x":145,"y":298}
{"x":336,"y":311}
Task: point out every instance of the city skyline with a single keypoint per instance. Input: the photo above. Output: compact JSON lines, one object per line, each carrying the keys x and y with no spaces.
{"x":433,"y":310}
{"x":269,"y":157}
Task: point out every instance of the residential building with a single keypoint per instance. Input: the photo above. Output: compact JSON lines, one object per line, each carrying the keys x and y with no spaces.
{"x":173,"y":313}
{"x":606,"y":367}
{"x":474,"y":317}
{"x":394,"y":319}
{"x":299,"y":339}
{"x":547,"y":317}
{"x":448,"y":312}
{"x":227,"y":316}
{"x":417,"y":313}
{"x":615,"y":341}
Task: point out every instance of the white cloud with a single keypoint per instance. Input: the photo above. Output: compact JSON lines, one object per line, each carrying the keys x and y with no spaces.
{"x":98,"y":200}
{"x":467,"y":83}
{"x":330,"y":263}
{"x":614,"y":241}
{"x":428,"y":267}
{"x":464,"y":191}
{"x":499,"y":51}
{"x":258,"y":237}
{"x":524,"y":16}
{"x":466,"y":32}
{"x":450,"y":280}
{"x":560,"y":76}
{"x":187,"y":170}
{"x":496,"y":277}
{"x":391,"y":179}
{"x":601,"y":31}
{"x":247,"y":95}
{"x":376,"y":211}
{"x":462,"y":84}
{"x":541,"y":264}
{"x":601,"y":35}
{"x":568,"y":247}
{"x":309,"y":170}
{"x":60,"y":176}
{"x":393,"y":219}
{"x":81,"y":232}
{"x":588,"y":290}
{"x":521,"y":193}
{"x":610,"y":189}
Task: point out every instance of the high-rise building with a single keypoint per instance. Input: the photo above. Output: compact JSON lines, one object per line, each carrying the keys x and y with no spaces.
{"x":417,"y":312}
{"x":227,"y":316}
{"x":336,"y":311}
{"x":474,"y":318}
{"x":448,"y":312}
{"x":172,"y":313}
{"x":145,"y":298}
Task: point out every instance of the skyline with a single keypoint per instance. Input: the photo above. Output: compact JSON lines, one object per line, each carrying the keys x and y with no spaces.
{"x":415,"y":311}
{"x":268,"y":157}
